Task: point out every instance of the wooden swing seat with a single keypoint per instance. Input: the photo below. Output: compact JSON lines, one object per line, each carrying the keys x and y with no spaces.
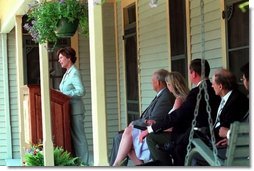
{"x":238,"y":150}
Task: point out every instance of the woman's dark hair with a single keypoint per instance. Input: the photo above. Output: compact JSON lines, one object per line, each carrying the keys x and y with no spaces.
{"x":195,"y":65}
{"x":68,"y":52}
{"x":245,"y":70}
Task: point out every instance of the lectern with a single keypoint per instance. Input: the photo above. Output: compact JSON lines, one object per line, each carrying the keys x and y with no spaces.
{"x":60,"y":117}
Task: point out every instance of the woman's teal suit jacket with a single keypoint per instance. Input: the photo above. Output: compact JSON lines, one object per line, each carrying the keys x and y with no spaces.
{"x":71,"y":85}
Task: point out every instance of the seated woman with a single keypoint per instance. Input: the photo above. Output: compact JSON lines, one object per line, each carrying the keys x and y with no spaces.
{"x":133,"y":142}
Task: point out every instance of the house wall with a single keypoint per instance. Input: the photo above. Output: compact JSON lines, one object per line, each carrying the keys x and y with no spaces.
{"x":110,"y":72}
{"x":110,"y":82}
{"x":84,"y":67}
{"x":153,"y":43}
{"x":110,"y":77}
{"x":152,"y":52}
{"x":3,"y":139}
{"x":13,"y":94}
{"x":121,"y":70}
{"x":213,"y":39}
{"x":6,"y":139}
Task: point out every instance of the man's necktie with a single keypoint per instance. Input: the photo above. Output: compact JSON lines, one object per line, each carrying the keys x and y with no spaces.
{"x":222,"y":103}
{"x":144,"y":114}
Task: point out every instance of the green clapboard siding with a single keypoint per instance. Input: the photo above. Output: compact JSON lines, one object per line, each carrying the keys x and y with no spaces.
{"x":110,"y":77}
{"x":110,"y":73}
{"x":213,"y":46}
{"x":153,"y":43}
{"x":5,"y":138}
{"x":121,"y":70}
{"x":2,"y":117}
{"x":13,"y":94}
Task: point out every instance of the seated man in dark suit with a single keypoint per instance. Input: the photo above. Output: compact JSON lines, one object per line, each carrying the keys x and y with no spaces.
{"x":225,"y":132}
{"x":234,"y":104}
{"x":158,"y":108}
{"x":233,"y":107}
{"x":180,"y":120}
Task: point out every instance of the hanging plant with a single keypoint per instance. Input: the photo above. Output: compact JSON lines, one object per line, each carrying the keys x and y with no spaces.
{"x":45,"y":17}
{"x":66,"y":28}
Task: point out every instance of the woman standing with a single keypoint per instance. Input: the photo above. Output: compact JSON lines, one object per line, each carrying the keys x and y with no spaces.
{"x":72,"y":85}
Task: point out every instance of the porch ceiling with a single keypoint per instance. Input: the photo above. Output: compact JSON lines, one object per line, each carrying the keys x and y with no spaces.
{"x":8,"y":10}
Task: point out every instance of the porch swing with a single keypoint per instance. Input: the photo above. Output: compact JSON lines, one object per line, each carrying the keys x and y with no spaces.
{"x":238,"y":148}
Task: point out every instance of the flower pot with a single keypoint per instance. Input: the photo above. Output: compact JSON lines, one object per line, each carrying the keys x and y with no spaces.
{"x":65,"y":28}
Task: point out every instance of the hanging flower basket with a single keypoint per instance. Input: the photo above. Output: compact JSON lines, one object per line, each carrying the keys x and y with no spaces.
{"x":66,"y":28}
{"x":44,"y":17}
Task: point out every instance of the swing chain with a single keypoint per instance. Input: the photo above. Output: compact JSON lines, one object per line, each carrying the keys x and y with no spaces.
{"x":203,"y":86}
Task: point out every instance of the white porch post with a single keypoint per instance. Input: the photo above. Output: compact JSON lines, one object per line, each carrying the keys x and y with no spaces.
{"x":97,"y":85}
{"x":20,"y":81}
{"x":45,"y":107}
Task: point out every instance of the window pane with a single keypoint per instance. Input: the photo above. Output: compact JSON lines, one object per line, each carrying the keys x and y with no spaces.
{"x":179,"y":65}
{"x":178,"y":36}
{"x":238,"y":24}
{"x":177,"y":27}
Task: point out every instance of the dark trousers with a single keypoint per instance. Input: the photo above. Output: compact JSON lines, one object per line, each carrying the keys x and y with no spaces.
{"x":114,"y":150}
{"x":159,"y":139}
{"x":79,"y":138}
{"x":179,"y":153}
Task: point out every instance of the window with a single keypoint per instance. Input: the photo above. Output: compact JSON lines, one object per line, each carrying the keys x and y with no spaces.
{"x":237,"y":22}
{"x":178,"y":36}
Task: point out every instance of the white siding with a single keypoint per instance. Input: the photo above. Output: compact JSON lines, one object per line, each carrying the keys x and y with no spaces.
{"x":13,"y":94}
{"x":3,"y":139}
{"x":110,"y":72}
{"x":84,"y":61}
{"x":121,"y":69}
{"x":153,"y":45}
{"x":213,"y":42}
{"x":13,"y":103}
{"x":152,"y":52}
{"x":110,"y":77}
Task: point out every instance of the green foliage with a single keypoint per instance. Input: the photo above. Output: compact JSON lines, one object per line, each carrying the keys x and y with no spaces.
{"x":64,"y":158}
{"x":43,"y":18}
{"x":34,"y":157}
{"x":244,"y":6}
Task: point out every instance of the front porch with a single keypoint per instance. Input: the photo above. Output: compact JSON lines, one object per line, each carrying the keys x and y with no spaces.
{"x":122,"y":32}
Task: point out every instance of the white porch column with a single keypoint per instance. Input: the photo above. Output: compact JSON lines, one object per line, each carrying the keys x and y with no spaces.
{"x":97,"y":85}
{"x":48,"y":148}
{"x":20,"y":81}
{"x":45,"y":106}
